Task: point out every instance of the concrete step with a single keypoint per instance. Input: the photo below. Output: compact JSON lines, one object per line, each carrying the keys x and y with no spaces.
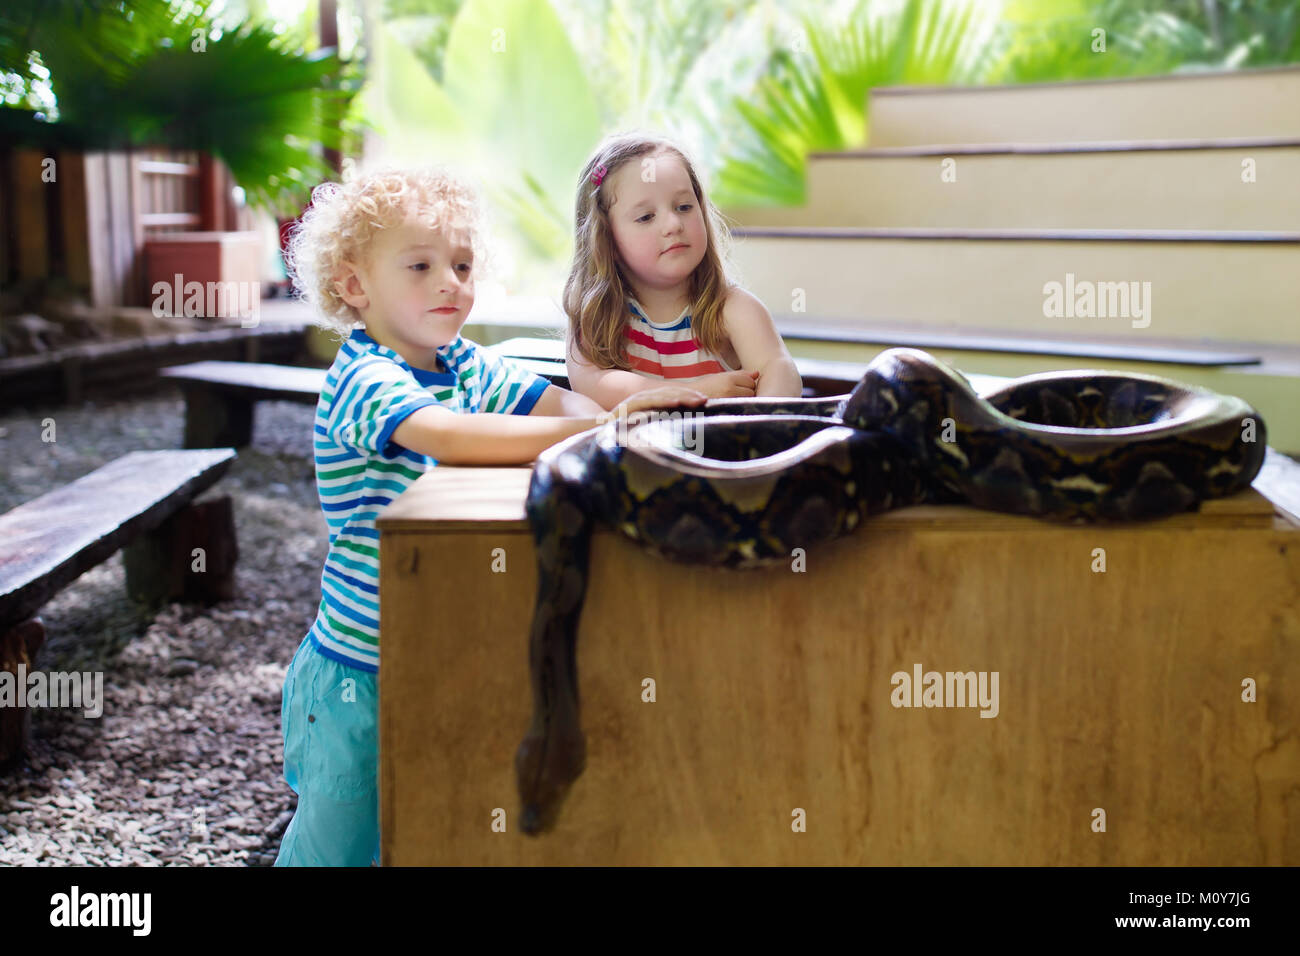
{"x":1172,"y":185}
{"x":1191,"y":106}
{"x":1272,"y":385}
{"x":1216,"y":286}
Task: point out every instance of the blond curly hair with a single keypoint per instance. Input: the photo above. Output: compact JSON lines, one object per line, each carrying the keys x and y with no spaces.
{"x":343,"y":219}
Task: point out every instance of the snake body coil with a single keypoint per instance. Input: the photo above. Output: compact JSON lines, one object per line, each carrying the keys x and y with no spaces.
{"x":791,"y":473}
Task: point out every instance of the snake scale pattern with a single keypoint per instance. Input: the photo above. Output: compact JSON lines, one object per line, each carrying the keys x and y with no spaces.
{"x":780,"y":474}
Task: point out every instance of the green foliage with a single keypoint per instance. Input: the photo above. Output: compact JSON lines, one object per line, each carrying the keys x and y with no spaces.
{"x":816,"y":99}
{"x":515,"y":106}
{"x":425,"y":28}
{"x":142,"y":74}
{"x":1049,"y":42}
{"x":527,"y":116}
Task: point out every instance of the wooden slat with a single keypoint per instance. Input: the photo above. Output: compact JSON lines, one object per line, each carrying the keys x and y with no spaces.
{"x":50,"y":541}
{"x":975,"y":341}
{"x":1279,"y":482}
{"x":842,"y":375}
{"x":98,"y":237}
{"x":525,"y":347}
{"x":930,"y":233}
{"x":121,"y":195}
{"x":1234,"y":104}
{"x":1039,"y":149}
{"x":253,"y":379}
{"x":262,"y":381}
{"x":1024,"y":186}
{"x":149,"y":219}
{"x":131,"y":365}
{"x":1212,"y":291}
{"x":29,"y":198}
{"x":76,"y":240}
{"x":163,"y":168}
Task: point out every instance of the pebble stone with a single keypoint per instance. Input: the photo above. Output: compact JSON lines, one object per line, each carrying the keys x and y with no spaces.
{"x":185,"y":765}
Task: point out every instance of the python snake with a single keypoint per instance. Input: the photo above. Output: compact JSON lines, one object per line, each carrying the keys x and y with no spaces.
{"x":780,"y":474}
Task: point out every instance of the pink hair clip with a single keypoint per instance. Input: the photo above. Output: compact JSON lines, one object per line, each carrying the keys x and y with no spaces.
{"x":598,"y":176}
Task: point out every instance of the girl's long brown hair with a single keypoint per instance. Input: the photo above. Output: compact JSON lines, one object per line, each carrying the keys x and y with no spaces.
{"x":596,"y":293}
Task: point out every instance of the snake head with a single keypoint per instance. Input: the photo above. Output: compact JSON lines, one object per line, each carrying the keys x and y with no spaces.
{"x":545,"y":771}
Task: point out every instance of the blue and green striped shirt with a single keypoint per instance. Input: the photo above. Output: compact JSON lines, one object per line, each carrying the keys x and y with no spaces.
{"x":368,"y":392}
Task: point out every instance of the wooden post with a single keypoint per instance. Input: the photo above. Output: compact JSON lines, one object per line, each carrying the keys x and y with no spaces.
{"x":29,"y":199}
{"x":18,"y":645}
{"x":75,"y":214}
{"x":190,"y":557}
{"x":329,"y":38}
{"x":216,"y":419}
{"x":209,"y":193}
{"x":8,"y":230}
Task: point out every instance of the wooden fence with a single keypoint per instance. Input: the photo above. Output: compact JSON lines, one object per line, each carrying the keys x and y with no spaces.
{"x":81,"y":219}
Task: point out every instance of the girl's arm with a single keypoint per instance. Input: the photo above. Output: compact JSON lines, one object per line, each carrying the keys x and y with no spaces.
{"x":606,"y":386}
{"x":486,"y":439}
{"x":609,"y":386}
{"x":759,"y":346}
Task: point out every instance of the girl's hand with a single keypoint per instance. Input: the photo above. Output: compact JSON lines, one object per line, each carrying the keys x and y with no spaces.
{"x":727,"y":384}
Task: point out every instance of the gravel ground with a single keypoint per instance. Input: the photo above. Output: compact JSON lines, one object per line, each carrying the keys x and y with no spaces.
{"x":185,"y":766}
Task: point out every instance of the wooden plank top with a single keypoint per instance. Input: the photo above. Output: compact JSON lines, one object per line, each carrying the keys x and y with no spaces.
{"x":252,"y":377}
{"x":50,"y":541}
{"x":825,"y":372}
{"x":296,"y":383}
{"x":1062,"y":149}
{"x":462,"y":499}
{"x":1017,"y":234}
{"x":1165,"y":352}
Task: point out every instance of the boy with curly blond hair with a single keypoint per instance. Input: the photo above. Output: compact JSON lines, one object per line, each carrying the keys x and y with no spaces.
{"x":389,"y":262}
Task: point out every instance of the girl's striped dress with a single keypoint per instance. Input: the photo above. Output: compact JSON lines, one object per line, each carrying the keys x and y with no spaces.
{"x":668,"y":351}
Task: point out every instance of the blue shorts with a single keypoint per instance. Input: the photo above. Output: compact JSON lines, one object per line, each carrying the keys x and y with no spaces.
{"x":330,"y":715}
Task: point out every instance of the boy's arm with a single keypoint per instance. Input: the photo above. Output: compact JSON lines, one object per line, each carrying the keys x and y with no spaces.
{"x":485,"y":439}
{"x":759,"y":346}
{"x":561,"y":401}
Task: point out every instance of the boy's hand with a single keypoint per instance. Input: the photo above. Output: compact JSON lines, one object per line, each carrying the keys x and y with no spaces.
{"x":728,"y":384}
{"x":665,"y":396}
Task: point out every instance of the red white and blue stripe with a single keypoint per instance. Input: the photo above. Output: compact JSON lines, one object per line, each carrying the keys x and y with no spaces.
{"x":667,"y":351}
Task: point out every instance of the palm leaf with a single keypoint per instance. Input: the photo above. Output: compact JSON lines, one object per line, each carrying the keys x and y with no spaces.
{"x":817,"y":101}
{"x":133,"y":75}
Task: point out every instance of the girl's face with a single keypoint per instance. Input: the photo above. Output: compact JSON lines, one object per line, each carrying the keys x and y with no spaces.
{"x":657,"y":223}
{"x":417,"y":287}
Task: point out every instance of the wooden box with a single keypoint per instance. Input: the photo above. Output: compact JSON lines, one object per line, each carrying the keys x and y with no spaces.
{"x":1119,"y":690}
{"x":203,"y":257}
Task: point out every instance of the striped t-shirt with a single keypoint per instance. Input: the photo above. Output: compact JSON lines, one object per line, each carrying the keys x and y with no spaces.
{"x":668,"y":351}
{"x":368,"y":392}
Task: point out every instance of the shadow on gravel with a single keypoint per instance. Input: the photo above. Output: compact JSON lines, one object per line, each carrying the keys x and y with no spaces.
{"x":184,"y":766}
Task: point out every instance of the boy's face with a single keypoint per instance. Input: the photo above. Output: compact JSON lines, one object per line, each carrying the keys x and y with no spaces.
{"x":416,"y":288}
{"x":658,"y":226}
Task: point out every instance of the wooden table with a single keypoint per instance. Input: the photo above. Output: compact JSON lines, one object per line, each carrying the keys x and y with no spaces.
{"x":1119,"y":691}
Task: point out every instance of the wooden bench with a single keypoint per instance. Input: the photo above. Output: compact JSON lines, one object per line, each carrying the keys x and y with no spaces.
{"x":219,"y":396}
{"x":174,"y":549}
